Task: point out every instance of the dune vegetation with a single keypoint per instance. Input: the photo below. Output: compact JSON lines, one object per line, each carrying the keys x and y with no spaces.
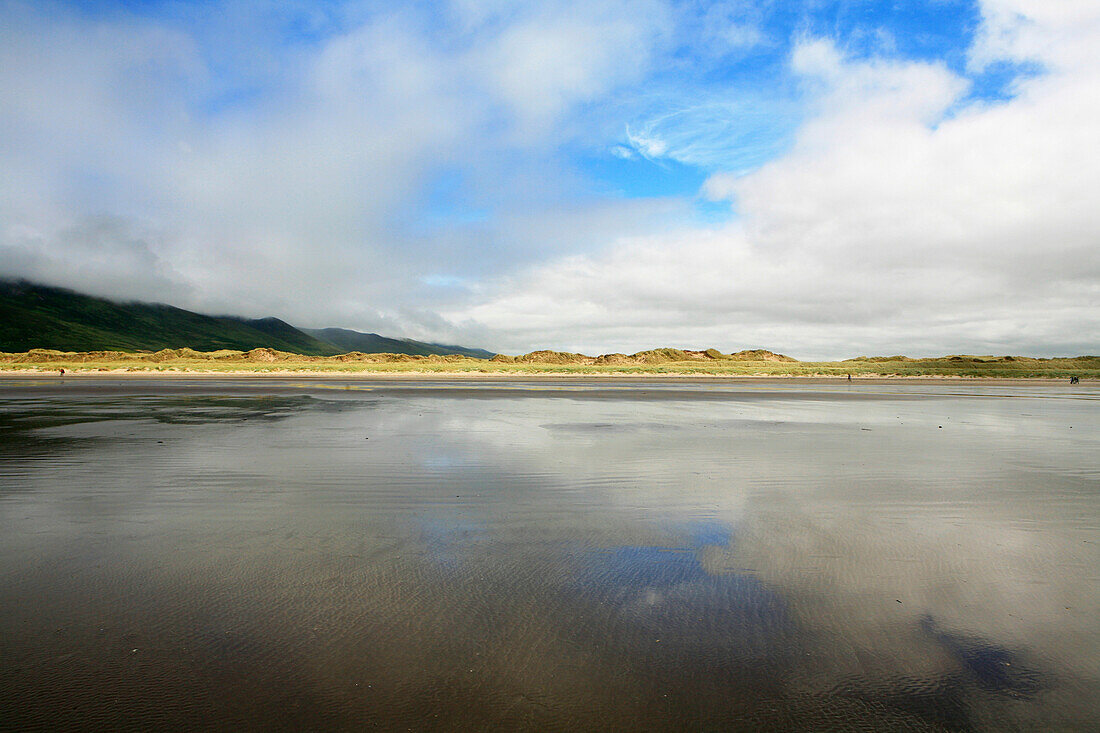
{"x":757,"y":362}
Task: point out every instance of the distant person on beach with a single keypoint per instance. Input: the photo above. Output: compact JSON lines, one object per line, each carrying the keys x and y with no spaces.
{"x":1074,"y":380}
{"x":849,"y":377}
{"x":61,"y":372}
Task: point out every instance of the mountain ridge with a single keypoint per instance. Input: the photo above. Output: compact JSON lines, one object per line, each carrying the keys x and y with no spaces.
{"x":372,"y":343}
{"x":37,"y":316}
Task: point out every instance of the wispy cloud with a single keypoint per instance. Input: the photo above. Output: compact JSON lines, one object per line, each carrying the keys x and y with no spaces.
{"x":739,"y":133}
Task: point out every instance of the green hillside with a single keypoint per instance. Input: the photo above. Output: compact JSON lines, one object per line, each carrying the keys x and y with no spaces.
{"x":42,"y":317}
{"x":372,"y":343}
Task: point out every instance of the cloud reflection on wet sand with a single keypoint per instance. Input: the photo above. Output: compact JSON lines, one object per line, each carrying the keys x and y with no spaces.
{"x":396,"y":561}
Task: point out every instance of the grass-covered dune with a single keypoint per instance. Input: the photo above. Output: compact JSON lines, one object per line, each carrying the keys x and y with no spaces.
{"x":711,"y":362}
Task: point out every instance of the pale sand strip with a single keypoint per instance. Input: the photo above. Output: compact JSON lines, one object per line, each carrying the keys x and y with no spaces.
{"x":398,"y":376}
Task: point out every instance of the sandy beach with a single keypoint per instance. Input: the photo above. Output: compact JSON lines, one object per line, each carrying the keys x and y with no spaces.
{"x":405,"y":376}
{"x":545,"y":552}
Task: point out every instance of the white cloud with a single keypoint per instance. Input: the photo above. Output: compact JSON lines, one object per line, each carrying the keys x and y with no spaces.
{"x":111,"y":256}
{"x":646,"y":143}
{"x":896,"y":223}
{"x":559,"y":55}
{"x":293,"y":203}
{"x":1061,"y":35}
{"x":723,"y":29}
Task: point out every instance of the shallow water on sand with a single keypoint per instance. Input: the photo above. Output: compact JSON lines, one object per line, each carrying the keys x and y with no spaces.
{"x":542,"y":555}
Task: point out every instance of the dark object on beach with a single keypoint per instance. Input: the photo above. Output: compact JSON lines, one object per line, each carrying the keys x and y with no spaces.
{"x":61,"y":372}
{"x":1074,"y":380}
{"x":849,"y":377}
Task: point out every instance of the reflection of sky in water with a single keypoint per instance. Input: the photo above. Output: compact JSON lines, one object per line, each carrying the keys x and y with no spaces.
{"x":642,"y":570}
{"x":638,"y":569}
{"x":665,"y":593}
{"x":447,"y":538}
{"x":994,"y":667}
{"x":703,"y":532}
{"x":820,"y":554}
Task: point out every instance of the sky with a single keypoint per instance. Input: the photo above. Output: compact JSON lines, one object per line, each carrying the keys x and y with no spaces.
{"x":822,"y":178}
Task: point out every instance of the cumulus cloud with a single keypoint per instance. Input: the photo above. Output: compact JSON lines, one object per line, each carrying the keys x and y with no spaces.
{"x":901,"y":220}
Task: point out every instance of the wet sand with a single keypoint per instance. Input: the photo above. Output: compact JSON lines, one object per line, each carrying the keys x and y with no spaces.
{"x":416,"y":376}
{"x":654,"y":387}
{"x":562,"y":554}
